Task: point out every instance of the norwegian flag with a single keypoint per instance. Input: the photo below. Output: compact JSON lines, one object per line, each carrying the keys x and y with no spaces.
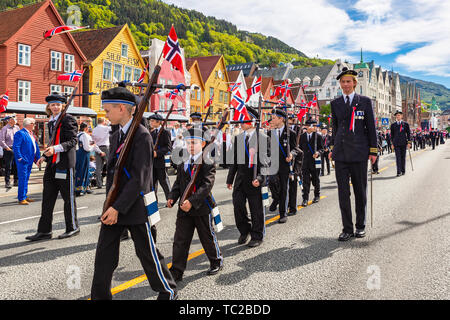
{"x":142,"y":77}
{"x":59,"y":30}
{"x":172,"y":94}
{"x":283,"y":88}
{"x":301,"y":113}
{"x":71,"y":76}
{"x":314,"y":102}
{"x":210,"y":101}
{"x":172,"y":51}
{"x":4,"y":99}
{"x":255,"y":88}
{"x":240,"y":111}
{"x":234,"y":86}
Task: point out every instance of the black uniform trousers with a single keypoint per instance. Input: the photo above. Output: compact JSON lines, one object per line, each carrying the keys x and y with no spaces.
{"x":400,"y":157}
{"x":293,"y":187}
{"x":357,"y":171}
{"x":152,"y":261}
{"x":324,"y":158}
{"x":52,"y":187}
{"x":274,"y":187}
{"x":310,"y":174}
{"x":283,"y":195}
{"x":160,"y":174}
{"x":184,"y":232}
{"x":254,"y":225}
{"x":10,"y":166}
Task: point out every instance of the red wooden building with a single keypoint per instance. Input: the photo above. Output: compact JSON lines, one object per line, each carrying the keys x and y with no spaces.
{"x":30,"y":65}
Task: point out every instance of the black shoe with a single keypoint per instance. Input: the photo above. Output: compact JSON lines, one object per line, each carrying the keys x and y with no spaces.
{"x":254,"y":243}
{"x":344,"y":236}
{"x":39,"y":236}
{"x":316,"y":199}
{"x":403,"y":173}
{"x":398,"y":174}
{"x":88,"y":191}
{"x":166,"y":296}
{"x":360,"y":233}
{"x":321,"y":174}
{"x":177,"y":277}
{"x":328,"y":174}
{"x":292,"y":213}
{"x":77,"y":193}
{"x":273,"y":206}
{"x":8,"y":186}
{"x":16,"y":183}
{"x":282,"y":219}
{"x":305,"y":203}
{"x":243,"y":238}
{"x":69,"y":234}
{"x":214,"y":270}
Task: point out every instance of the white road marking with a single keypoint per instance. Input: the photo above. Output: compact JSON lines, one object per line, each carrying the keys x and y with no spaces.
{"x":33,"y":217}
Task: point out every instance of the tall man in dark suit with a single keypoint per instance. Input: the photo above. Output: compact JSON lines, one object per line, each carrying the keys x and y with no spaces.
{"x":59,"y":171}
{"x":311,"y":145}
{"x":129,"y":209}
{"x":326,"y":142}
{"x":241,"y":171}
{"x":401,"y":139}
{"x":354,"y":141}
{"x":163,"y":148}
{"x":194,"y":213}
{"x":285,"y":157}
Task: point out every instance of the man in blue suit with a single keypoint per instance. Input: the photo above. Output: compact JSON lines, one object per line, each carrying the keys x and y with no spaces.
{"x":26,"y":151}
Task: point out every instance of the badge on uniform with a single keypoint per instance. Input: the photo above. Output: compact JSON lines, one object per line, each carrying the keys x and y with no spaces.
{"x":167,"y":160}
{"x":359,"y":115}
{"x":152,"y":208}
{"x":217,"y":219}
{"x":61,"y":174}
{"x":318,"y":163}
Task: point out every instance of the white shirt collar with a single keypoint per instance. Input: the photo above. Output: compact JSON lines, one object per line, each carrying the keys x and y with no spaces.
{"x":249,"y":133}
{"x":351,"y":96}
{"x":126,"y":126}
{"x":54,"y":118}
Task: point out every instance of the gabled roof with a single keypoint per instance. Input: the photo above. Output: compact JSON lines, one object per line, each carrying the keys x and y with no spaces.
{"x":12,"y":20}
{"x":321,"y":72}
{"x":233,"y":75}
{"x":206,"y":65}
{"x":275,"y":73}
{"x":93,"y":42}
{"x":191,"y":63}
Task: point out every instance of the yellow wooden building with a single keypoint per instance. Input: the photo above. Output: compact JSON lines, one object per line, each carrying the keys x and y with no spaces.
{"x":112,"y":55}
{"x":213,"y":72}
{"x":197,"y":101}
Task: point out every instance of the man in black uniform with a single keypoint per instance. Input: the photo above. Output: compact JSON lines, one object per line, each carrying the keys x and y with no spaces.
{"x":296,"y":175}
{"x":129,"y":209}
{"x":59,"y":171}
{"x":194,"y":213}
{"x":326,"y":141}
{"x":354,"y":141}
{"x":311,"y":145}
{"x":245,"y":186}
{"x":164,"y":147}
{"x":401,"y":139}
{"x":284,"y":158}
{"x":196,"y":118}
{"x":433,"y":137}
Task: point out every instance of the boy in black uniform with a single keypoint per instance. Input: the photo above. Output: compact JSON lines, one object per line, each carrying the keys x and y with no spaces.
{"x":163,"y":148}
{"x":245,"y":187}
{"x":129,"y":210}
{"x":354,"y":141}
{"x":194,"y":213}
{"x":278,"y":123}
{"x":59,"y":171}
{"x":401,"y":139}
{"x":326,"y":141}
{"x":311,"y":145}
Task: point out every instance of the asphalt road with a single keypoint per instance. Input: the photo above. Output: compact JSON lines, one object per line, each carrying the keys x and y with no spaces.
{"x":404,"y":256}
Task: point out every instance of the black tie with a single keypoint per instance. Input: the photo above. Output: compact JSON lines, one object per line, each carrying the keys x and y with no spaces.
{"x":348,"y":101}
{"x":51,"y":126}
{"x":121,"y":137}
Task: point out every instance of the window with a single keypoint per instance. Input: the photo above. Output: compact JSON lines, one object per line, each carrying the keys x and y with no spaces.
{"x":328,"y":92}
{"x":316,"y":81}
{"x":169,"y":82}
{"x":180,"y":105}
{"x":69,"y":63}
{"x":107,"y":70}
{"x":137,"y":74}
{"x":24,"y":91}
{"x":67,"y":92}
{"x":211,"y":92}
{"x":221,"y":96}
{"x":199,"y":95}
{"x":55,"y":88}
{"x":117,"y":72}
{"x":162,"y":103}
{"x":55,"y":63}
{"x":128,"y":73}
{"x":124,"y":50}
{"x":225,"y":97}
{"x":162,"y":81}
{"x":24,"y":55}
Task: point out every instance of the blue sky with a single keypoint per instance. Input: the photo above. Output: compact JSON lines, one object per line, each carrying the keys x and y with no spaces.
{"x":412,"y":37}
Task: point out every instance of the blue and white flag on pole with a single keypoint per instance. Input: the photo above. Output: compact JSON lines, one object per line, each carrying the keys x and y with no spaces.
{"x":152,"y":208}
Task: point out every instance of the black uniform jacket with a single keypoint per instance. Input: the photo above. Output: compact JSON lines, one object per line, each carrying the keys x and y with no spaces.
{"x":308,"y":160}
{"x":163,"y":148}
{"x":282,"y":147}
{"x":136,"y":180}
{"x":400,"y":138}
{"x":68,"y":140}
{"x":204,"y":184}
{"x":353,"y":146}
{"x":240,"y":172}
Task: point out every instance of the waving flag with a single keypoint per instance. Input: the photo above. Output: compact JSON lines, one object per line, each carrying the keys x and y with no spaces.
{"x":172,"y":94}
{"x":210,"y":101}
{"x":283,"y":88}
{"x":71,"y":76}
{"x":172,"y":51}
{"x":60,"y":30}
{"x":314,"y":102}
{"x":255,"y":88}
{"x":301,"y":113}
{"x":234,"y":86}
{"x":240,"y":111}
{"x":4,"y":99}
{"x":142,"y":77}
